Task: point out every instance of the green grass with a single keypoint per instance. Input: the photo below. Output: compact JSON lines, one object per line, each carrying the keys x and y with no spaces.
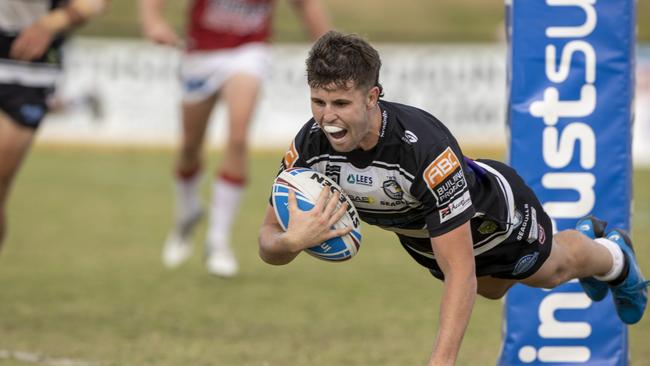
{"x":381,"y":21}
{"x":81,"y":278}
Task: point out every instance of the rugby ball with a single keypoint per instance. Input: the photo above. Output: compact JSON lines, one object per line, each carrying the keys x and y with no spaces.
{"x":308,"y":184}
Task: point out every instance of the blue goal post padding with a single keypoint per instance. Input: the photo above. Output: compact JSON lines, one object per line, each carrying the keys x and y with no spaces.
{"x":571,"y":85}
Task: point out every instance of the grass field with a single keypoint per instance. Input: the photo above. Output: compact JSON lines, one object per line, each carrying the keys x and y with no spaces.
{"x":380,"y":20}
{"x":81,"y":280}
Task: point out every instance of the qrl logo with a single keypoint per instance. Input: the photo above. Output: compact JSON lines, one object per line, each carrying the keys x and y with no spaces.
{"x":441,"y":168}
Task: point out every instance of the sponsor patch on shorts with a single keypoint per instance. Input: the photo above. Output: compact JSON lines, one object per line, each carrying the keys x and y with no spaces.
{"x":541,"y":237}
{"x":525,"y":263}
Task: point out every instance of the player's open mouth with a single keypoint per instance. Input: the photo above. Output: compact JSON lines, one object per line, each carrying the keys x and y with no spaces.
{"x":335,"y":131}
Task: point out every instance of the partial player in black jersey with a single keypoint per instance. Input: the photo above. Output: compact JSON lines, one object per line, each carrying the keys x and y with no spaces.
{"x":474,"y":224}
{"x":31,"y":35}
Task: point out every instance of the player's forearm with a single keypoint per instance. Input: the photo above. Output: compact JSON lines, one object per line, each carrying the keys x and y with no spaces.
{"x":275,"y":247}
{"x":313,"y":16}
{"x":151,"y":10}
{"x":72,"y":15}
{"x":456,"y":307}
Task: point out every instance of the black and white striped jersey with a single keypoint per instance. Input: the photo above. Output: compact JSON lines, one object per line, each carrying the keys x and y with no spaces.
{"x":16,"y":15}
{"x":415,"y":181}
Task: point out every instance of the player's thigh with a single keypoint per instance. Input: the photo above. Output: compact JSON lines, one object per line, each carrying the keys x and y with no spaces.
{"x":553,"y":271}
{"x":240,"y":93}
{"x":493,"y":288}
{"x":15,"y":141}
{"x":196,"y":116}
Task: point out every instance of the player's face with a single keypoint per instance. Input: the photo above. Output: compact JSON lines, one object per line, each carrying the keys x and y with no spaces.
{"x":349,"y":117}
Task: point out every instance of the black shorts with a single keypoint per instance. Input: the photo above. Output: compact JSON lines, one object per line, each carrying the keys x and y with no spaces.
{"x":519,"y":255}
{"x":25,"y":105}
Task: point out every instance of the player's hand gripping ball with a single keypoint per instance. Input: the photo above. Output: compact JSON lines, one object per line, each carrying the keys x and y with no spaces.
{"x":307,"y":184}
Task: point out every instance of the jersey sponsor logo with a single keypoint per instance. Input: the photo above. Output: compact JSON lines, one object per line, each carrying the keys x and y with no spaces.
{"x":234,"y":16}
{"x":291,"y":156}
{"x":369,"y":200}
{"x":409,"y":137}
{"x":453,"y":209}
{"x":333,"y":172}
{"x":397,"y":203}
{"x":393,"y":189}
{"x":363,"y":180}
{"x":384,"y":123}
{"x":525,"y":263}
{"x":444,"y":177}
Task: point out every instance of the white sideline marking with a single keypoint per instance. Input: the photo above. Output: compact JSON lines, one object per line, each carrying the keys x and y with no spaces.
{"x":35,"y":358}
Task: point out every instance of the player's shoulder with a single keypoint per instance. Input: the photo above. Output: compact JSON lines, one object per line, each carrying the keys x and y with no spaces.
{"x":310,"y":131}
{"x":310,"y":138}
{"x":416,"y":128}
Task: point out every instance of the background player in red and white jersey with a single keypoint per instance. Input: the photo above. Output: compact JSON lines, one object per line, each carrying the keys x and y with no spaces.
{"x":226,"y":56}
{"x":31,"y":36}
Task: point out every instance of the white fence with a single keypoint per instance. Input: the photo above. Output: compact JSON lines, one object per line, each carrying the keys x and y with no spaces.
{"x":463,"y":85}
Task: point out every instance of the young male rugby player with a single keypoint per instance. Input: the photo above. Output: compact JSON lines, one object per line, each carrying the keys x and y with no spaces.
{"x":473,"y":223}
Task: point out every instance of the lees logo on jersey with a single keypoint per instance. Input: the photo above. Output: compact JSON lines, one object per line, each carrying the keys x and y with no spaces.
{"x":444,"y":177}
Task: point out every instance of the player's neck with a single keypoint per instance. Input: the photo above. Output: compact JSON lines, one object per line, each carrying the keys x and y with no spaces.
{"x":372,"y":138}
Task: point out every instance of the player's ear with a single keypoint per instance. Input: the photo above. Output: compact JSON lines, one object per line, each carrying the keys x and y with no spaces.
{"x":373,"y":97}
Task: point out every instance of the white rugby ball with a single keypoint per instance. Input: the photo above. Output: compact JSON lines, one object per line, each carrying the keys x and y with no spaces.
{"x":308,"y":184}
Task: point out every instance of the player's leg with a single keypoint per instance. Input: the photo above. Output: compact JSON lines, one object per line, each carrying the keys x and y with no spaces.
{"x":493,"y":288}
{"x":15,"y":141}
{"x":188,"y":208}
{"x":573,"y":255}
{"x":593,"y":228}
{"x":240,"y":93}
{"x":610,"y":260}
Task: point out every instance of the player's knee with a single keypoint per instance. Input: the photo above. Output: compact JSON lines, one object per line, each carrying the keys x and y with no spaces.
{"x":238,"y":144}
{"x":492,"y":294}
{"x":568,"y":238}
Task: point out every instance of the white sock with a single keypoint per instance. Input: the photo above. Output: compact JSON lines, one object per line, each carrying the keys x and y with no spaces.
{"x":188,"y":199}
{"x":226,"y":198}
{"x":618,"y":259}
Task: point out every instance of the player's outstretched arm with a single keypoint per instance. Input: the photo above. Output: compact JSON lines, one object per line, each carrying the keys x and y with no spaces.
{"x":154,"y":26}
{"x":313,"y":16}
{"x":455,"y":257}
{"x":33,"y":41}
{"x":306,"y":228}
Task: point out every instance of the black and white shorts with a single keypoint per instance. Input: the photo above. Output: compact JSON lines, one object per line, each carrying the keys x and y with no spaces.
{"x":25,"y":105}
{"x":520,"y":254}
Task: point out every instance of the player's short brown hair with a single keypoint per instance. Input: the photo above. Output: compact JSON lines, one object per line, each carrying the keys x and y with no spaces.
{"x":338,"y":59}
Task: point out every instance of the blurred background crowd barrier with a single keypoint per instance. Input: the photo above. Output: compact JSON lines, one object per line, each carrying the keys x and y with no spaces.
{"x":137,"y":88}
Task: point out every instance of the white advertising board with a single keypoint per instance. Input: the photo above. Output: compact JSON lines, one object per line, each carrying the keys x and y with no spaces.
{"x":463,"y":85}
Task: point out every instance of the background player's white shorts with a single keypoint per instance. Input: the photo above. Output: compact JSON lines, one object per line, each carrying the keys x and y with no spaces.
{"x":204,"y":73}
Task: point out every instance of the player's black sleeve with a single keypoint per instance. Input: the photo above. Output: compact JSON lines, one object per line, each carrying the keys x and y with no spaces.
{"x":442,"y":186}
{"x":298,"y":151}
